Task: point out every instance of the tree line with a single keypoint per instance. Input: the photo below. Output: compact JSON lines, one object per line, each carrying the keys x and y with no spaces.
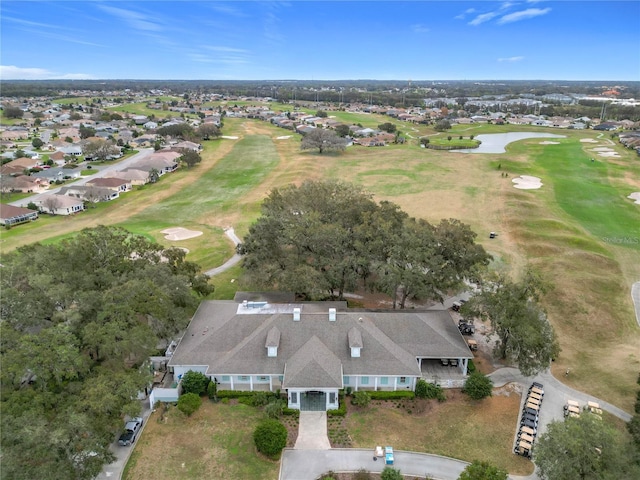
{"x":78,"y":322}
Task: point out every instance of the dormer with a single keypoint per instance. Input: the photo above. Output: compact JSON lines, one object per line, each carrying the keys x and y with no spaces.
{"x":355,"y":342}
{"x":273,"y":341}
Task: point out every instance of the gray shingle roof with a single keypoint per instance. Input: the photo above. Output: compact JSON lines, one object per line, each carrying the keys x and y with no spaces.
{"x":231,"y":340}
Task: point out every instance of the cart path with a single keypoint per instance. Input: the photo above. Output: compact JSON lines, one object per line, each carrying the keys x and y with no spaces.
{"x":229,"y":232}
{"x":635,"y":296}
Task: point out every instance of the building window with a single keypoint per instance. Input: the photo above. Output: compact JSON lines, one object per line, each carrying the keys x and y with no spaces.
{"x":345,"y":380}
{"x":332,"y":397}
{"x":403,"y":379}
{"x":225,"y":378}
{"x":263,"y":379}
{"x":364,"y":381}
{"x":294,"y":397}
{"x":243,"y":378}
{"x":384,"y":380}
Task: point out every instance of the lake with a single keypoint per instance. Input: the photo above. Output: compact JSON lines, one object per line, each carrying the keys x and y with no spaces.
{"x":496,"y":142}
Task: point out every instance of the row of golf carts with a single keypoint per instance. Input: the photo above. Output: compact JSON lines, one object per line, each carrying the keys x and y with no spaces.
{"x":529,"y":420}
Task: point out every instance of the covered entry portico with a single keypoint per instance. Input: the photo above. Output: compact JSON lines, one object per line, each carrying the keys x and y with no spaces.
{"x":318,"y":400}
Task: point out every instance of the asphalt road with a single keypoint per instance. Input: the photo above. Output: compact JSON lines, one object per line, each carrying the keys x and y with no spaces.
{"x":101,"y":171}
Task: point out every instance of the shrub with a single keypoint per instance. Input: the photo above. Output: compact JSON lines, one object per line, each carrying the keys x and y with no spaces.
{"x":290,"y":412}
{"x":348,"y":391}
{"x":270,"y":438}
{"x":194,"y":382}
{"x":361,"y":399}
{"x":274,"y":408}
{"x":362,"y":474}
{"x":189,"y":403}
{"x":429,"y":390}
{"x":389,"y":473}
{"x":212,"y":389}
{"x":483,"y":471}
{"x":478,"y":386}
{"x":260,"y":399}
{"x":235,"y":393}
{"x":389,"y":395}
{"x":32,"y":206}
{"x":471,"y":367}
{"x":341,"y":411}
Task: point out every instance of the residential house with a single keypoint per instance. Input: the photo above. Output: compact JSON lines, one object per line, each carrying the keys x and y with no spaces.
{"x":23,"y":183}
{"x":73,"y":150}
{"x":60,"y":204}
{"x":90,"y":193}
{"x":196,"y":147}
{"x":19,"y":165}
{"x":135,"y":176}
{"x":119,"y":185}
{"x":311,"y":350}
{"x":58,"y":158}
{"x":163,"y":163}
{"x":10,"y":215}
{"x":58,"y":173}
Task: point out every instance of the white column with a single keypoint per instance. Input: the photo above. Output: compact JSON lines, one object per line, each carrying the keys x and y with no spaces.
{"x":251,"y":382}
{"x":357,"y":383}
{"x":375,"y":384}
{"x":270,"y":383}
{"x":231,"y":377}
{"x":395,"y":383}
{"x":465,"y":362}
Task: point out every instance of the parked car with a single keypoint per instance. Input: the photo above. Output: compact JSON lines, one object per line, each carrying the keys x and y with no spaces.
{"x":131,"y":430}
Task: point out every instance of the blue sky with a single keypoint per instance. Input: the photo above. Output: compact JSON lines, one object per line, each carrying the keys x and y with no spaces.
{"x":327,"y":40}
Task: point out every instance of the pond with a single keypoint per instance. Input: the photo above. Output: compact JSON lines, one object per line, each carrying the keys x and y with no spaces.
{"x":496,"y":142}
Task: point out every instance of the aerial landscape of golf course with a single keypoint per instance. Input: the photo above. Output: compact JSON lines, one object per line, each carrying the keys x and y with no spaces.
{"x":575,"y":226}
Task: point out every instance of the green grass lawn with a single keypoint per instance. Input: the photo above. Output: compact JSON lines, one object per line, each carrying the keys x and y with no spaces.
{"x":454,"y":142}
{"x":215,"y":442}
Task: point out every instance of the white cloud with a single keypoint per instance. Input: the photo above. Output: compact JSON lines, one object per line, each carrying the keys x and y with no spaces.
{"x":511,"y":59}
{"x":11,"y":72}
{"x":485,"y":17}
{"x":135,"y":20}
{"x":468,"y":11}
{"x":523,"y":15}
{"x":419,"y":28}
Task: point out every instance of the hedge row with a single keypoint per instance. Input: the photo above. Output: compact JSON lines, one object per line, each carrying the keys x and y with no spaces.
{"x":237,"y":393}
{"x":449,"y":147}
{"x":386,"y":395}
{"x":341,"y":411}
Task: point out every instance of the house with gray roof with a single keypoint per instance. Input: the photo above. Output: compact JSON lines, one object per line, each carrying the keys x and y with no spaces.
{"x":312,"y":350}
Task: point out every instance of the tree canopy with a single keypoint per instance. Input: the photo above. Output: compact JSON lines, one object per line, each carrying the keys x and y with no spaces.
{"x":78,"y":320}
{"x":100,"y":149}
{"x":320,"y":239}
{"x":483,"y":471}
{"x":323,"y":140}
{"x":586,"y":448}
{"x":525,"y":335}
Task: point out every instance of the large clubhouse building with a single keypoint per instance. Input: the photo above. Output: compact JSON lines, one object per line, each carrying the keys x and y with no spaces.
{"x":311,"y":350}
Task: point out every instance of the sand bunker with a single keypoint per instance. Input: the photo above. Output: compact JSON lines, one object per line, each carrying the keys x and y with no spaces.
{"x":549,"y":143}
{"x":229,"y":137}
{"x":179,"y":233}
{"x":588,"y":140}
{"x":635,"y":196}
{"x":603,"y":149}
{"x":526,"y":182}
{"x":283,"y":137}
{"x":608,"y":154}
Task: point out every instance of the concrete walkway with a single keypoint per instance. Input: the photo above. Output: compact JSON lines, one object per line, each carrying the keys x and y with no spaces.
{"x":312,"y":432}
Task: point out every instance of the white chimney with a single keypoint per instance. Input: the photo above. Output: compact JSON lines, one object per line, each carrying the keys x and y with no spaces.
{"x":332,"y":314}
{"x":296,"y":314}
